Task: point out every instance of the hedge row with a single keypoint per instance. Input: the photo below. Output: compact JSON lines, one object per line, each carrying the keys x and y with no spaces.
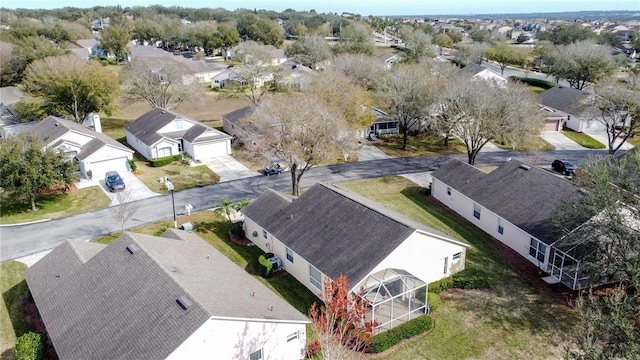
{"x":411,"y":328}
{"x":165,"y":160}
{"x":535,"y":82}
{"x":465,"y":279}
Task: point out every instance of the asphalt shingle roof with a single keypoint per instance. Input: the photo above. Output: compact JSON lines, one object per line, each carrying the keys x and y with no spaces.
{"x":122,"y":305}
{"x":523,"y":195}
{"x":236,"y":116}
{"x":337,"y":231}
{"x":562,"y":98}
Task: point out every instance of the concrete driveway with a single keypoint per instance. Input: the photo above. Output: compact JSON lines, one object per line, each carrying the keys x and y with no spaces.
{"x":560,"y":141}
{"x":228,"y":168}
{"x":601,"y":136}
{"x":136,"y":189}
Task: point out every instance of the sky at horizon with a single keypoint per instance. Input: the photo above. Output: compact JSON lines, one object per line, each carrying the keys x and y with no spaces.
{"x":364,"y":7}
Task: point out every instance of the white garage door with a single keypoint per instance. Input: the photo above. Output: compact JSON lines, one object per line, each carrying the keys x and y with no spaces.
{"x":209,"y":150}
{"x":99,"y":168}
{"x":551,"y":125}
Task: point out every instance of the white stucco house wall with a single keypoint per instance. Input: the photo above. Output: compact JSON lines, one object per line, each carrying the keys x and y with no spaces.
{"x":167,"y":297}
{"x":374,"y":247}
{"x":514,"y":203}
{"x":160,"y":133}
{"x":92,"y":149}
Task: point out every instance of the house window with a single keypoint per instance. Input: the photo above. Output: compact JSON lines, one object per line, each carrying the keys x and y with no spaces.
{"x":476,"y":211}
{"x":292,"y":336}
{"x":537,"y":249}
{"x":163,"y":152}
{"x":179,"y":124}
{"x":315,"y":277}
{"x":289,"y":255}
{"x":500,"y":226}
{"x":264,"y":234}
{"x":180,"y":146}
{"x":446,"y":265}
{"x":448,"y":190}
{"x":457,"y":256}
{"x":257,"y":355}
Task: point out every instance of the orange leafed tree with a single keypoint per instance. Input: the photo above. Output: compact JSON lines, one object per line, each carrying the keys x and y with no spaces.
{"x":340,"y":325}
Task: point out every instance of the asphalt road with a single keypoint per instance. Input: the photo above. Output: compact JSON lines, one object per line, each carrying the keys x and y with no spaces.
{"x":22,"y":240}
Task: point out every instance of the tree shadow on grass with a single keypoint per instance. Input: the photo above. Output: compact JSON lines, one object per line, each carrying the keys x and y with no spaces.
{"x":14,"y":299}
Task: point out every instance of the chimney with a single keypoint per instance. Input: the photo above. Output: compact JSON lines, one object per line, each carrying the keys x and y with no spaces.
{"x":97,"y":126}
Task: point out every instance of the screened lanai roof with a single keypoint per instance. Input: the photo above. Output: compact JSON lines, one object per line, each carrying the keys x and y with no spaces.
{"x":377,"y":286}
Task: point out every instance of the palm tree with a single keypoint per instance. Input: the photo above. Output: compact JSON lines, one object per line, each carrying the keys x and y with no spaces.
{"x":228,"y":207}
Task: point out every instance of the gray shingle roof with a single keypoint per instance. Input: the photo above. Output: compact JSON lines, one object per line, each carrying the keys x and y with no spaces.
{"x":236,"y":116}
{"x":337,"y":231}
{"x":562,"y":98}
{"x":122,"y":305}
{"x":52,"y":128}
{"x":525,"y":197}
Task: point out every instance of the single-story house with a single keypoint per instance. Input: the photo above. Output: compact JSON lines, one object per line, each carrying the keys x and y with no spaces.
{"x":296,"y":75}
{"x":481,"y":72}
{"x":382,"y":125}
{"x":514,"y":204}
{"x":94,"y":150}
{"x":389,"y":59}
{"x":560,"y":101}
{"x":85,"y":48}
{"x":229,"y":75}
{"x":327,"y":231}
{"x":172,"y":296}
{"x":231,"y":121}
{"x":9,"y":96}
{"x":201,"y":70}
{"x":160,"y":132}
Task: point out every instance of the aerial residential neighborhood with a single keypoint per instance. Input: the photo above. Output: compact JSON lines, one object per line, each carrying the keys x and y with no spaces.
{"x":335,"y":183}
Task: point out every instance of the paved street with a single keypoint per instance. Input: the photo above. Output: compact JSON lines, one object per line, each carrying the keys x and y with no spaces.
{"x":22,"y":240}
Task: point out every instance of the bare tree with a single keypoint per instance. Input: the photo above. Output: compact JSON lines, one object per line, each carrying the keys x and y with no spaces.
{"x":309,"y":50}
{"x":124,"y":209}
{"x":163,"y":83}
{"x":474,"y":52}
{"x":257,"y":71}
{"x":409,"y":93}
{"x":616,"y":105}
{"x":581,"y":63}
{"x":417,"y":45}
{"x":481,"y":111}
{"x":301,"y":130}
{"x":364,"y":70}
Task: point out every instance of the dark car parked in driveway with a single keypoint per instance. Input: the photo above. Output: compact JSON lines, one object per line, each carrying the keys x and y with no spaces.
{"x":113,"y":181}
{"x":563,"y":167}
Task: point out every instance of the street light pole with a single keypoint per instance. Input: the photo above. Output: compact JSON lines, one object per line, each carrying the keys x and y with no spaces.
{"x":173,"y":203}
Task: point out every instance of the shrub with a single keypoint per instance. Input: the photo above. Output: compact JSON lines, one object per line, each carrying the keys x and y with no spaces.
{"x":465,"y":279}
{"x":535,"y":82}
{"x":29,"y":346}
{"x":266,"y":267}
{"x":433,"y":301}
{"x":133,"y":165}
{"x":237,"y":229}
{"x":268,"y":255}
{"x":426,"y":191}
{"x":165,"y":160}
{"x":411,"y":328}
{"x":441,"y":285}
{"x":313,"y":350}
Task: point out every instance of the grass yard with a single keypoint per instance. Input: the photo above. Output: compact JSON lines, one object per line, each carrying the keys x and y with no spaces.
{"x":182,"y":176}
{"x":512,"y":320}
{"x":583,"y":139}
{"x":13,"y":318}
{"x":52,"y":205}
{"x":419,"y":145}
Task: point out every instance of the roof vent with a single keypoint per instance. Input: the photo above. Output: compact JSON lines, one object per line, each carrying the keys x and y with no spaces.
{"x":169,"y":267}
{"x":184,"y":302}
{"x":132,"y":248}
{"x":163,"y":112}
{"x":525,"y":166}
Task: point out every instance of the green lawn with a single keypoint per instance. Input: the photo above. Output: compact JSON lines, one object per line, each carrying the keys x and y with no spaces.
{"x":182,"y":176}
{"x":535,"y":144}
{"x":583,"y":139}
{"x":114,"y":128}
{"x":13,"y":318}
{"x":510,"y":321}
{"x":52,"y":205}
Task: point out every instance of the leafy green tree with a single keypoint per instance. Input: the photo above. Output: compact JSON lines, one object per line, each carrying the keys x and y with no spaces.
{"x":568,"y":34}
{"x":607,"y":38}
{"x":72,"y":87}
{"x":22,"y":53}
{"x":258,"y":28}
{"x":417,"y":46}
{"x":481,"y":36}
{"x":27,"y":168}
{"x":228,"y":207}
{"x":455,"y":35}
{"x":505,"y":54}
{"x":443,"y":40}
{"x":582,"y":63}
{"x":309,"y":50}
{"x":229,"y":37}
{"x":114,"y":40}
{"x":148,"y":29}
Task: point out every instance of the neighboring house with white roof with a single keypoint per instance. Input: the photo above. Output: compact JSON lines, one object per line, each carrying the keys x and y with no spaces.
{"x":167,"y":297}
{"x":94,"y":150}
{"x":481,"y":72}
{"x":160,"y":133}
{"x":328,"y":231}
